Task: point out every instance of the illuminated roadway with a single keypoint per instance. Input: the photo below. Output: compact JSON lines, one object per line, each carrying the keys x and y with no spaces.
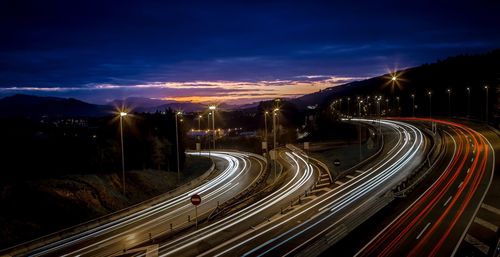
{"x":282,"y":234}
{"x":297,"y":177}
{"x":436,"y":222}
{"x":331,"y":214}
{"x":238,"y":172}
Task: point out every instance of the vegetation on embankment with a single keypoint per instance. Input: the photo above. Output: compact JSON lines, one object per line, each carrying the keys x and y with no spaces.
{"x":34,"y":208}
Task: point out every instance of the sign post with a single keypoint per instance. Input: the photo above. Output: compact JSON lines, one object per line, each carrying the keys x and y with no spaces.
{"x":198,"y":148}
{"x":196,"y":200}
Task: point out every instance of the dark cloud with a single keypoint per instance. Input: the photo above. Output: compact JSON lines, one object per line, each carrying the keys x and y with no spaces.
{"x":77,"y":43}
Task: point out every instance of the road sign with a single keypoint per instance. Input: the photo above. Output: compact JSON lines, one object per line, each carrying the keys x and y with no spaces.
{"x":336,"y":162}
{"x":306,"y":145}
{"x":195,"y":199}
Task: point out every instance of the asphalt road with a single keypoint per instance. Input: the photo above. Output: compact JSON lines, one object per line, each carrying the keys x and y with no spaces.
{"x":216,"y":237}
{"x":319,"y":215}
{"x":238,"y":171}
{"x":436,"y":222}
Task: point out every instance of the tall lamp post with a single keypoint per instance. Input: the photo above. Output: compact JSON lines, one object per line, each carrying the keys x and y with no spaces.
{"x":486,"y":87}
{"x":122,"y":114}
{"x":348,"y":105}
{"x":199,"y":122}
{"x":265,"y":126}
{"x":430,"y":103}
{"x":449,"y":101}
{"x":177,"y":145}
{"x":275,"y":113}
{"x":468,"y":102}
{"x":212,"y":108}
{"x":413,"y":104}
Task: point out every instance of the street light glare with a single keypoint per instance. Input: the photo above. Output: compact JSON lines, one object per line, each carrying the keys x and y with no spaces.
{"x":212,"y":107}
{"x":179,"y":113}
{"x":394,"y":78}
{"x":123,"y":114}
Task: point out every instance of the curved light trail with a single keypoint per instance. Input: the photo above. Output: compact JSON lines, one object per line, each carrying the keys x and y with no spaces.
{"x":435,"y":223}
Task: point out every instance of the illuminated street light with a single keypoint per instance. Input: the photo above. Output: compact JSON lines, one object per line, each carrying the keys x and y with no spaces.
{"x":430,"y":103}
{"x":413,"y":104}
{"x":213,"y":108}
{"x":468,"y":102}
{"x":348,"y":105}
{"x":275,"y":113}
{"x":265,"y":126}
{"x":122,"y":114}
{"x":486,"y":87}
{"x":449,"y":101}
{"x":177,"y":145}
{"x":199,"y":122}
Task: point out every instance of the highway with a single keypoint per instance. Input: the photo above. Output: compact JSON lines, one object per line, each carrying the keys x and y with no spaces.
{"x":331,"y":212}
{"x":297,"y":177}
{"x":238,"y":171}
{"x":436,"y":222}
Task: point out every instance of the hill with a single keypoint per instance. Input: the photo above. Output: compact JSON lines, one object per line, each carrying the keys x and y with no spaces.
{"x":37,"y":106}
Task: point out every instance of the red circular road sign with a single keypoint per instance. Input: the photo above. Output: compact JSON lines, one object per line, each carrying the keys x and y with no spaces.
{"x":195,"y":199}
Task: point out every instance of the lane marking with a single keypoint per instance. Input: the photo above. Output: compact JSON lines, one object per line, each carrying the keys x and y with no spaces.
{"x":471,"y":160}
{"x":447,"y":201}
{"x":350,"y":176}
{"x":468,"y":170}
{"x":339,"y":183}
{"x":423,"y":230}
{"x":460,"y":185}
{"x":477,"y":244}
{"x":491,"y":208}
{"x":486,"y":224}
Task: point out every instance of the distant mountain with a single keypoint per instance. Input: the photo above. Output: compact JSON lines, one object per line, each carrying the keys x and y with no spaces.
{"x":37,"y":106}
{"x":142,"y":104}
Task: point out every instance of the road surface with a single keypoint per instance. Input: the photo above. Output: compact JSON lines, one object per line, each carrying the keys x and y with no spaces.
{"x":436,"y":222}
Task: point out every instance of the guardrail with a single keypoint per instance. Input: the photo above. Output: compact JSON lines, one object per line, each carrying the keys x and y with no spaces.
{"x":433,"y":157}
{"x":234,"y":200}
{"x":60,"y":235}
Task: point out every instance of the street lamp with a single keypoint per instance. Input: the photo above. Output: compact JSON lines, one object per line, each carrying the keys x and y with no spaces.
{"x":275,"y":113}
{"x":265,"y":126}
{"x":348,"y":105}
{"x":468,"y":102}
{"x":486,"y":87}
{"x":413,"y":104}
{"x":212,"y":108}
{"x":449,"y":102}
{"x":199,"y":122}
{"x":177,"y":145}
{"x":430,"y":103}
{"x":122,"y":114}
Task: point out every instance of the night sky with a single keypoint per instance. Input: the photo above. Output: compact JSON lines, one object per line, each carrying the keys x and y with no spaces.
{"x":232,"y":51}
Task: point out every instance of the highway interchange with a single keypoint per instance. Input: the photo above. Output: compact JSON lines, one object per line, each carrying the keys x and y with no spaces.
{"x":303,"y":211}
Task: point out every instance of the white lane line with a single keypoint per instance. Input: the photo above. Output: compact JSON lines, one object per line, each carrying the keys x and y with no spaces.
{"x":359,"y":171}
{"x":471,"y":160}
{"x":468,"y":170}
{"x":477,"y":243}
{"x":339,"y":183}
{"x":460,"y":185}
{"x":423,"y":230}
{"x":486,"y":224}
{"x":447,"y":201}
{"x":350,"y":176}
{"x":491,"y":208}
